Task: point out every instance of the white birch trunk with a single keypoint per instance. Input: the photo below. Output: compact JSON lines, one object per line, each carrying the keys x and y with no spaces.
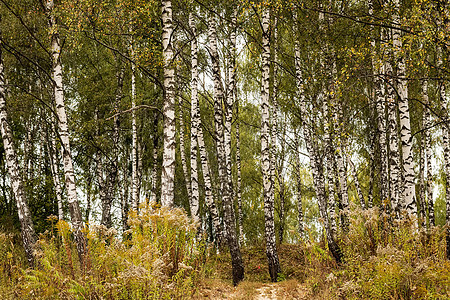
{"x":168,"y":167}
{"x":134,"y":139}
{"x":72,"y":199}
{"x":330,"y":170}
{"x":271,"y":249}
{"x":195,"y":121}
{"x":26,"y":223}
{"x":378,"y":70}
{"x":54,"y":167}
{"x":394,"y":163}
{"x":183,"y":159}
{"x":301,"y":226}
{"x":409,"y":191}
{"x":154,"y":173}
{"x":239,"y":178}
{"x":223,"y":140}
{"x":208,"y":188}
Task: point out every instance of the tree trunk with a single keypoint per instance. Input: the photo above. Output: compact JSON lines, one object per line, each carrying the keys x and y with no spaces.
{"x":26,"y":223}
{"x":271,"y":248}
{"x":134,"y":145}
{"x":195,"y":121}
{"x":394,"y":163}
{"x":208,"y":188}
{"x":168,"y":167}
{"x":239,"y":178}
{"x":112,"y":165}
{"x":409,"y":191}
{"x":380,"y":105}
{"x":223,"y":139}
{"x":329,"y":151}
{"x":154,"y":173}
{"x":315,"y":161}
{"x":54,"y":168}
{"x":429,"y":181}
{"x":301,"y":226}
{"x":72,"y":199}
{"x":183,"y":159}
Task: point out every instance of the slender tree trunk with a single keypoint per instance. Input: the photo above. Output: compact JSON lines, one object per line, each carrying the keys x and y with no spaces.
{"x":311,"y":146}
{"x":54,"y":168}
{"x":88,"y":198}
{"x":218,"y":104}
{"x":223,"y":139}
{"x":380,"y":104}
{"x":409,"y":191}
{"x":239,"y":178}
{"x":446,"y":145}
{"x":26,"y":223}
{"x":273,"y":117}
{"x":113,"y":162}
{"x":429,"y":181}
{"x":301,"y":225}
{"x":394,"y":164}
{"x":183,"y":159}
{"x":329,"y":166}
{"x":168,"y":168}
{"x":134,"y":145}
{"x":208,"y":188}
{"x":195,"y":121}
{"x":124,"y":202}
{"x":154,"y":173}
{"x":422,"y":216}
{"x":72,"y":199}
{"x":356,"y":181}
{"x":343,"y":186}
{"x":271,"y":248}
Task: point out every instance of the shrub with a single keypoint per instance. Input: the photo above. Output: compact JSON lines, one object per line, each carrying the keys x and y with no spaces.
{"x":393,"y":259}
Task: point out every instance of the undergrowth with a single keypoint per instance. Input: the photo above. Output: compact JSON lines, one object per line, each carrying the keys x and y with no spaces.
{"x":160,"y":258}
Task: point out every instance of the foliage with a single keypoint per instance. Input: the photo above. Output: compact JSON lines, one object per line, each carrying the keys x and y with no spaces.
{"x":159,"y":258}
{"x":387,"y":259}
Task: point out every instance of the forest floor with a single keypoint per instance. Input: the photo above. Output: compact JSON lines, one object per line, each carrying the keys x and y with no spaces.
{"x":217,"y":283}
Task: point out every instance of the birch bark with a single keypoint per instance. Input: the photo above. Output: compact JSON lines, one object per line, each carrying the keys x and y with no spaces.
{"x":271,"y":249}
{"x":134,"y":146}
{"x":223,"y":140}
{"x":168,"y":167}
{"x":301,"y":226}
{"x":195,"y":121}
{"x":409,"y":192}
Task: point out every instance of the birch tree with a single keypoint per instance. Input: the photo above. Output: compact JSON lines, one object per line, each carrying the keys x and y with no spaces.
{"x":409,"y":193}
{"x":195,"y":121}
{"x":271,"y":248}
{"x":58,"y":90}
{"x":168,"y":167}
{"x":26,"y":223}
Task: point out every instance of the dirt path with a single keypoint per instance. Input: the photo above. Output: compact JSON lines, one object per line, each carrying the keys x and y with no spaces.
{"x":217,"y":289}
{"x":267,"y":292}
